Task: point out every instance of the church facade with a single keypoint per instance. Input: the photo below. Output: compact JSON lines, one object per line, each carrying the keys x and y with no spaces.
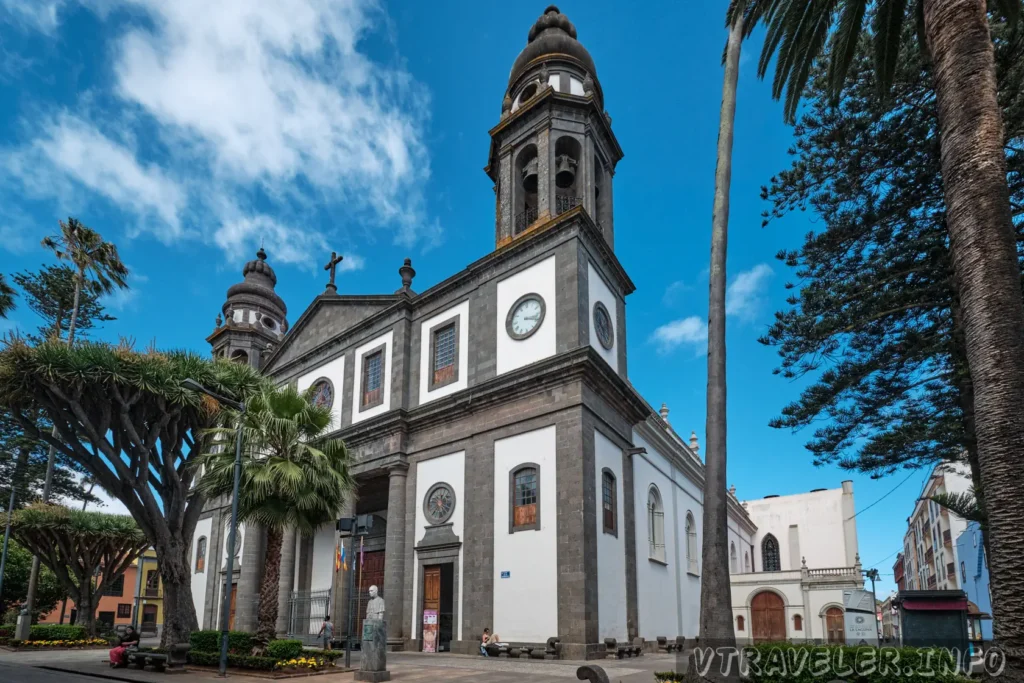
{"x":516,"y":479}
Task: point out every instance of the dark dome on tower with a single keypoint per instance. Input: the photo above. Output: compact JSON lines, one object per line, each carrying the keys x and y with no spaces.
{"x":552,"y":34}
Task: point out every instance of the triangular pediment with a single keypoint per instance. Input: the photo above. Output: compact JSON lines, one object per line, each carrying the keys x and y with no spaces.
{"x":327,"y":317}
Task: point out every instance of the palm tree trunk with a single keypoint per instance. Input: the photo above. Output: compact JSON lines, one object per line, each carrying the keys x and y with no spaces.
{"x":266,"y":619}
{"x":985,"y":261}
{"x":79,"y":279}
{"x":715,"y":597}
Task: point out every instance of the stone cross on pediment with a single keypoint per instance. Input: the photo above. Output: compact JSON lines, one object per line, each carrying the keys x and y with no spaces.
{"x":331,"y":267}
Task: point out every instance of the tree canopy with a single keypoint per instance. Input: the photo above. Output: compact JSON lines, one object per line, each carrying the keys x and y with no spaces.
{"x":49,"y":591}
{"x":124,"y":416}
{"x":873,"y":313}
{"x":6,"y":297}
{"x":50,"y":293}
{"x":86,"y":551}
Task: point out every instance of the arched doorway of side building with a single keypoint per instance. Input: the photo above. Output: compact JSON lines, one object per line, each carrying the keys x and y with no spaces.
{"x":768,"y":617}
{"x":835,"y":626}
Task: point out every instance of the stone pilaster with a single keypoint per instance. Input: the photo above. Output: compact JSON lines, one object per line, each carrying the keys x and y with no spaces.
{"x":545,"y":175}
{"x":287,"y":580}
{"x":250,"y":576}
{"x":394,"y":552}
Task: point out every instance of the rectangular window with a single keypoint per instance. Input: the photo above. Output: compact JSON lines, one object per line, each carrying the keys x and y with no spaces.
{"x":152,"y":583}
{"x":115,"y":588}
{"x":444,"y":354}
{"x":525,"y":486}
{"x":608,"y":495}
{"x":373,"y":379}
{"x":124,"y":610}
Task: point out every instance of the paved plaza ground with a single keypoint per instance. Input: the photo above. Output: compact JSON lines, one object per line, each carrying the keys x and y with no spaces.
{"x":90,"y":666}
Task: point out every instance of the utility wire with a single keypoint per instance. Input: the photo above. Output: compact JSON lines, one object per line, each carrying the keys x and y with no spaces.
{"x":912,"y":473}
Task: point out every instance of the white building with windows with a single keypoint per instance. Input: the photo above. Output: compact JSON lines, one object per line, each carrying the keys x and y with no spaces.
{"x":791,"y":559}
{"x":930,"y":553}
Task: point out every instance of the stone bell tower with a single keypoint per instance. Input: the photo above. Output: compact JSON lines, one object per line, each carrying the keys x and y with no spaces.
{"x":554,"y":148}
{"x":254,"y":316}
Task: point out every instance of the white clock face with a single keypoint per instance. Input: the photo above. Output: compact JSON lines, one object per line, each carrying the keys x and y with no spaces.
{"x":526,"y":317}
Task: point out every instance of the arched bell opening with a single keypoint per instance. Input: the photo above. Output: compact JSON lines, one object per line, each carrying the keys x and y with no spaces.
{"x":568,"y":174}
{"x":602,"y":196}
{"x":526,"y":183}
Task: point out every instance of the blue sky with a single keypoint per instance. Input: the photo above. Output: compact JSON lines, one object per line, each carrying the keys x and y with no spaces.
{"x":187,"y":132}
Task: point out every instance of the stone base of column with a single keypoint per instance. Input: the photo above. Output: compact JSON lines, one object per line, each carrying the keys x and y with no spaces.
{"x":374,"y":663}
{"x":373,"y":676}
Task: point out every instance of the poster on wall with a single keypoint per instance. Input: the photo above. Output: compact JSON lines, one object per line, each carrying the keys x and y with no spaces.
{"x":430,"y":630}
{"x":860,"y":618}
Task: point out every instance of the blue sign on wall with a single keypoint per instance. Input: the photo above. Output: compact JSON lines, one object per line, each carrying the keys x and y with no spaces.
{"x":506,"y":575}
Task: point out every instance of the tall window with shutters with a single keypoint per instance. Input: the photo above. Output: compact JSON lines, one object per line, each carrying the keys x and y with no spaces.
{"x":732,"y":559}
{"x":609,"y":503}
{"x":655,"y":525}
{"x":525,"y":498}
{"x":691,"y":544}
{"x":444,"y":354}
{"x":770,"y":554}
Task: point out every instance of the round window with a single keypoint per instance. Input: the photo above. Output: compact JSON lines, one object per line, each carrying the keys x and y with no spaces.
{"x":439,"y":503}
{"x":323,"y":393}
{"x":603,"y":326}
{"x":269,"y":323}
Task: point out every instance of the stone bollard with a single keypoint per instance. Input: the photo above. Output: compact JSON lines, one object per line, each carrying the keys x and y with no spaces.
{"x":373,"y":666}
{"x":177,"y":658}
{"x":594,"y":674}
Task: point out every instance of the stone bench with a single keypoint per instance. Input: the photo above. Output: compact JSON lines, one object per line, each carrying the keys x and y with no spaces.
{"x":140,"y":660}
{"x":620,"y":650}
{"x":665,"y":645}
{"x":553,"y":648}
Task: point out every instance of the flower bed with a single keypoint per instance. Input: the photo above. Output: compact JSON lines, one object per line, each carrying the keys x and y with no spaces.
{"x":283,"y":658}
{"x":56,"y":644}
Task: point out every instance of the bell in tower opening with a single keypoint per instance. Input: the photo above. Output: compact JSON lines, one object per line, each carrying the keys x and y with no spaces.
{"x":553,"y":150}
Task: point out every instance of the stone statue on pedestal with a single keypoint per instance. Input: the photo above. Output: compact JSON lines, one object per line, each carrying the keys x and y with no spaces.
{"x":373,"y":666}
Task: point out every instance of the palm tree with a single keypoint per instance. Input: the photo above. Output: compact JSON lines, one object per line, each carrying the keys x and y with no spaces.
{"x":715,"y":594}
{"x":295,"y":476}
{"x":92,"y":257}
{"x":981,"y":235}
{"x":6,"y":297}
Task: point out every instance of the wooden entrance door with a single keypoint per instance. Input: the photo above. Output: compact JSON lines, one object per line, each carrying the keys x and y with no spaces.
{"x":834,"y":625}
{"x":372,"y":575}
{"x":768,"y":614}
{"x":148,"y":620}
{"x":432,"y":593}
{"x":231,"y":612}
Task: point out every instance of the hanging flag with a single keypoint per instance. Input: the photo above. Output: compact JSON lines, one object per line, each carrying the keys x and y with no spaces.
{"x":337,"y":557}
{"x":344,"y":562}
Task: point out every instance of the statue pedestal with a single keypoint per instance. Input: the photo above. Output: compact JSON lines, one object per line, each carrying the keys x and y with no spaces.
{"x":373,"y":666}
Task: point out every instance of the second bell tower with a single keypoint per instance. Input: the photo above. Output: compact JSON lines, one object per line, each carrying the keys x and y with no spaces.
{"x":554,"y":148}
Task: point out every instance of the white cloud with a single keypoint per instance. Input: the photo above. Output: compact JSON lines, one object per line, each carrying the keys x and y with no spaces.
{"x":673,"y":293}
{"x":233,"y":121}
{"x":692,"y":331}
{"x":40,"y":15}
{"x":745,"y":294}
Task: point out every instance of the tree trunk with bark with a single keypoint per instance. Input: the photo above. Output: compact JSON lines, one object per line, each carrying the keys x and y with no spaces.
{"x":982,"y":244}
{"x":266,"y":619}
{"x":86,"y":605}
{"x":715,"y":596}
{"x":179,"y":610}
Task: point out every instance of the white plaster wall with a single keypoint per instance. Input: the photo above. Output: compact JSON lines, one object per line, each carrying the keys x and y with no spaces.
{"x":451,"y":470}
{"x":526,"y":603}
{"x":357,"y":390}
{"x":657,"y":586}
{"x":785,"y":583}
{"x":819,"y":519}
{"x":324,"y":547}
{"x":611,"y":553}
{"x":334,"y":371}
{"x":540,"y":279}
{"x":819,"y":600}
{"x":555,"y":81}
{"x":462,"y":310}
{"x":204,"y":528}
{"x":599,"y":291}
{"x":575,"y":86}
{"x":688,"y":498}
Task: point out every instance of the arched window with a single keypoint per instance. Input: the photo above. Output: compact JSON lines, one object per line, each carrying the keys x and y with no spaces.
{"x":746,"y":561}
{"x":691,"y":544}
{"x":201,"y":555}
{"x":739,"y":623}
{"x":770,"y":554}
{"x":240,"y":356}
{"x":798,"y":622}
{"x":655,"y":525}
{"x":732,"y":559}
{"x":524,"y":498}
{"x":609,"y":503}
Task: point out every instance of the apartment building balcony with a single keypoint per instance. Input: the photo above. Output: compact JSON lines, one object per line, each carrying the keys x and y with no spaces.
{"x":929,"y":556}
{"x":932,"y":582}
{"x":951,"y":571}
{"x":947,"y":538}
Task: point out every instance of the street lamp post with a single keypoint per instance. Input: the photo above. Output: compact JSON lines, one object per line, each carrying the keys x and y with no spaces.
{"x":226,"y":598}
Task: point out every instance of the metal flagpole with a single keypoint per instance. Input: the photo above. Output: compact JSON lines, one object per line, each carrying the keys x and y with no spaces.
{"x":351,"y":582}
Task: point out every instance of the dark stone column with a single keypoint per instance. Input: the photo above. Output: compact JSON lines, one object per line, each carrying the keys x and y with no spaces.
{"x":250,"y":575}
{"x":394,"y":552}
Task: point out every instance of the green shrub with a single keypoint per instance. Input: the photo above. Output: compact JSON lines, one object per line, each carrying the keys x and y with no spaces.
{"x":239,"y":642}
{"x":770,"y":663}
{"x":6,"y":631}
{"x":235,"y":661}
{"x":57,"y":632}
{"x":284,"y":649}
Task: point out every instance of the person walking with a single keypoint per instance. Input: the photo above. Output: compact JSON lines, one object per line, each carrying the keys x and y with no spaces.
{"x":327,"y":632}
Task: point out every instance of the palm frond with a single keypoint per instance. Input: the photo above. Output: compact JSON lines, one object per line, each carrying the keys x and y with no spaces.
{"x":963,"y":505}
{"x":844,"y":44}
{"x":6,"y":297}
{"x":888,"y":34}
